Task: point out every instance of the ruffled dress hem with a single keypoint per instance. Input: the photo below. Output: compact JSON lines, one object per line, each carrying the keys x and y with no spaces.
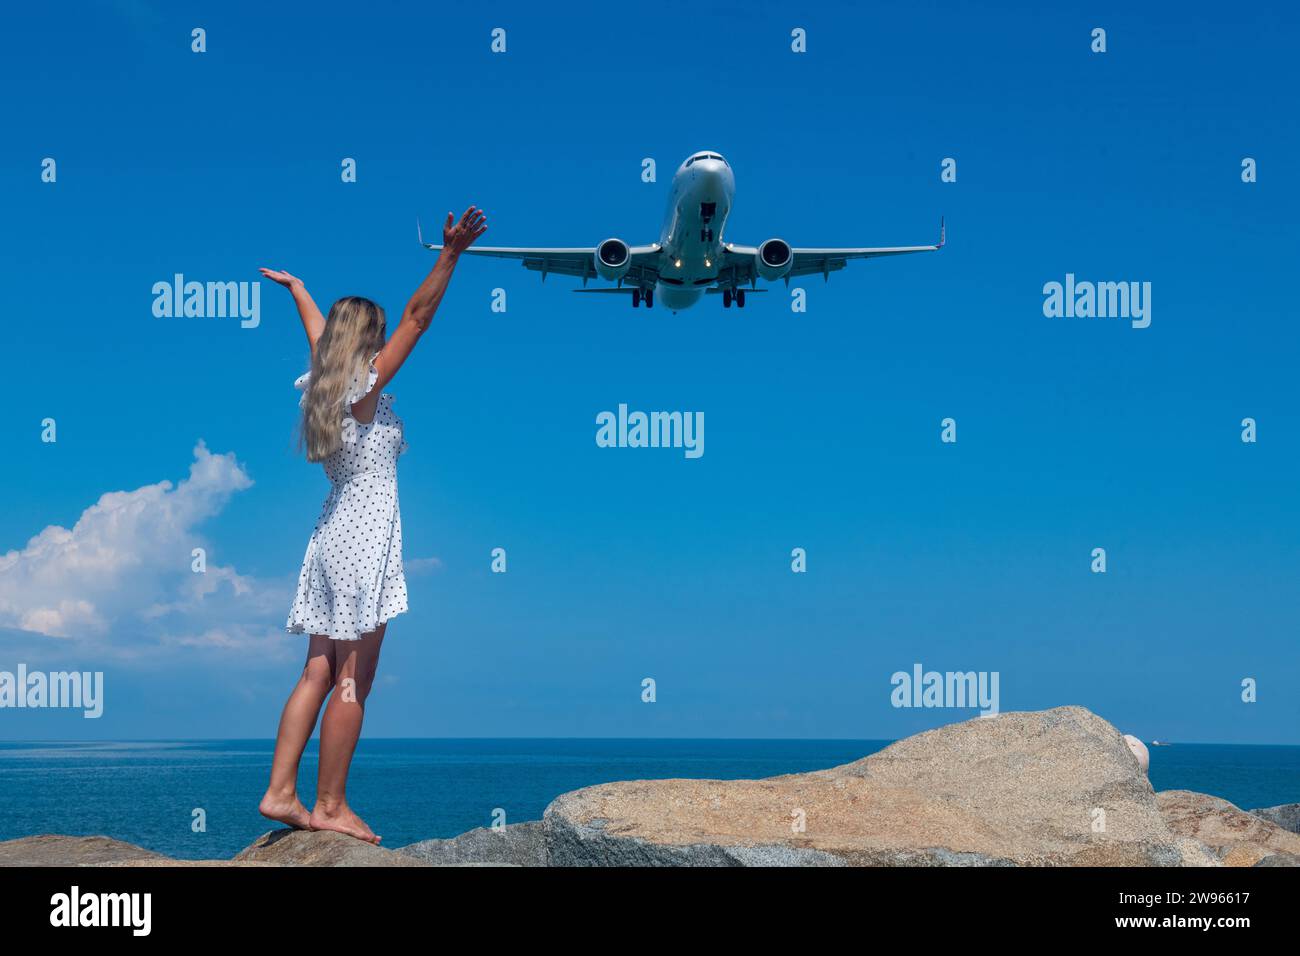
{"x":297,"y":628}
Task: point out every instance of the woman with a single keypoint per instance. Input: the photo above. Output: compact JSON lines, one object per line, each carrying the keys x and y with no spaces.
{"x":351,"y":581}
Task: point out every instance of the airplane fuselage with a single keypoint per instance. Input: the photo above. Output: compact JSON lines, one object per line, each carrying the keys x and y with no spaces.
{"x":698,"y":206}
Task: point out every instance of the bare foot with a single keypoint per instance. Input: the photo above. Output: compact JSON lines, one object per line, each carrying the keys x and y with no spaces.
{"x":343,"y":820}
{"x":286,"y":810}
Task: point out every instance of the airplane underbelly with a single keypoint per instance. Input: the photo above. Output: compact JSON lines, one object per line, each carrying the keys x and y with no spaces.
{"x":677,"y":297}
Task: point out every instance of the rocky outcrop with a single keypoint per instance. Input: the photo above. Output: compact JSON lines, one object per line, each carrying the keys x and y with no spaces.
{"x":1056,"y":787}
{"x":319,"y":848}
{"x":1235,"y":837}
{"x":276,"y":848}
{"x":518,"y":844}
{"x":54,"y":850}
{"x":1287,"y":816}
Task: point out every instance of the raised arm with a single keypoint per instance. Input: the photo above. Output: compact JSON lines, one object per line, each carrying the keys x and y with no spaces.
{"x":456,"y":238}
{"x":313,"y":323}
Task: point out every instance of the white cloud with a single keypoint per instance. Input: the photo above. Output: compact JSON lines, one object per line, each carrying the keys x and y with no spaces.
{"x":422,"y":565}
{"x":121,"y":578}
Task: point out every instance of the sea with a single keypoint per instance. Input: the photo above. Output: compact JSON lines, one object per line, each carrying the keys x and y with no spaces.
{"x":197,"y":799}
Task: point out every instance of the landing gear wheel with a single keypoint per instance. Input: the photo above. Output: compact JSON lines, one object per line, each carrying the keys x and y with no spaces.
{"x":636,"y":298}
{"x":649,"y":298}
{"x":740,"y":298}
{"x":726,"y":298}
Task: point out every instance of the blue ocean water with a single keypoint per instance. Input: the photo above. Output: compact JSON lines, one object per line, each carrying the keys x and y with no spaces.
{"x":146,"y":793}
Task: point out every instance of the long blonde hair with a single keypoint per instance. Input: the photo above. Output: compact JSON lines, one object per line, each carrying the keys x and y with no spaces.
{"x":354,"y":332}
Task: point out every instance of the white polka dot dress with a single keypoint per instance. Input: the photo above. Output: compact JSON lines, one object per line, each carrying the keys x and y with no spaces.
{"x":352,"y":578}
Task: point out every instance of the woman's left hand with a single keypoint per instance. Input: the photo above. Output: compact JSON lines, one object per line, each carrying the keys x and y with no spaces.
{"x":281,"y":277}
{"x":458,"y":237}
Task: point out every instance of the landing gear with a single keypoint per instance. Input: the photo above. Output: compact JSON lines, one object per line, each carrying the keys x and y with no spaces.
{"x":726,"y":298}
{"x":647,"y":294}
{"x":636,"y":298}
{"x":740,"y":298}
{"x":728,"y":295}
{"x":649,"y":298}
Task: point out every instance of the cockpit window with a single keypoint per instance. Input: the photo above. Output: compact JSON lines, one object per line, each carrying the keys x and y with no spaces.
{"x":699,"y":156}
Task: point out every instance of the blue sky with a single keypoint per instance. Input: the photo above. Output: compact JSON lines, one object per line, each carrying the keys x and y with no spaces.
{"x":822,"y":428}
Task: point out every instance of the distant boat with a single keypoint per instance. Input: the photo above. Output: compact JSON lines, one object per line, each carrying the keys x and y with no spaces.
{"x":1159,"y":743}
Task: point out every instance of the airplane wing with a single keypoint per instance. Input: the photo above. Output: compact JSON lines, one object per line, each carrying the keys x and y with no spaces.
{"x":738,"y":267}
{"x":569,"y":260}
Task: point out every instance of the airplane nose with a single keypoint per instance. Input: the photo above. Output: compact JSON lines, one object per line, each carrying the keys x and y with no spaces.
{"x":712,"y":175}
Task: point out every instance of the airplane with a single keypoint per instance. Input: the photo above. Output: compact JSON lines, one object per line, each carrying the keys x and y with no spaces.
{"x":691,"y":257}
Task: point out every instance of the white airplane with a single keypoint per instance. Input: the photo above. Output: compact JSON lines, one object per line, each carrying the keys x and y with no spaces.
{"x":691,"y":257}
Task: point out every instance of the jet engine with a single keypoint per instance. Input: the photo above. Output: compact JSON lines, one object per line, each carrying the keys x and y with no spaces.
{"x":774,"y":259}
{"x":612,"y":259}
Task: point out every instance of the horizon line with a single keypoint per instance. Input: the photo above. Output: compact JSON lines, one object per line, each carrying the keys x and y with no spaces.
{"x":159,"y":740}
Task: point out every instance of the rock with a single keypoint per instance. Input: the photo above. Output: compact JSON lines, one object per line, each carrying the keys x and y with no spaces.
{"x":517,"y":844}
{"x":55,"y":850}
{"x":1280,"y":859}
{"x":1140,"y":751}
{"x":319,"y":848}
{"x":1019,"y":788}
{"x":1235,"y":837}
{"x":1287,"y":816}
{"x":276,"y":848}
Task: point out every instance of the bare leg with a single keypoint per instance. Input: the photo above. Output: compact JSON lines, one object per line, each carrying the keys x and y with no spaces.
{"x":355,"y":663}
{"x":297,"y":722}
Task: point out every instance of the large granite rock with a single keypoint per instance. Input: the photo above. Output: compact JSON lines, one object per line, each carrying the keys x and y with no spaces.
{"x":1235,"y":837}
{"x":319,"y":848}
{"x":518,"y":844}
{"x":1019,"y":788}
{"x":1287,"y":816}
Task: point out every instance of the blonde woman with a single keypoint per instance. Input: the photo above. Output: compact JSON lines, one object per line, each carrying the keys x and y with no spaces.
{"x":351,"y":583}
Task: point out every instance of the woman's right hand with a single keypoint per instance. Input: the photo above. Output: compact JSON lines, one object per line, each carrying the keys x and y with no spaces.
{"x":281,"y":278}
{"x":313,"y":323}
